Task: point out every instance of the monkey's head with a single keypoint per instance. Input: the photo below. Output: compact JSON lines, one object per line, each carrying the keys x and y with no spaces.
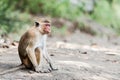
{"x":43,"y":25}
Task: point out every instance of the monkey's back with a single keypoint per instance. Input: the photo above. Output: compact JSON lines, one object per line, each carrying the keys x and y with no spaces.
{"x":24,"y":42}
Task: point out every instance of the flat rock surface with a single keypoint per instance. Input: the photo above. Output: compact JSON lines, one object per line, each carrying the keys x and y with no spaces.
{"x":78,"y":57}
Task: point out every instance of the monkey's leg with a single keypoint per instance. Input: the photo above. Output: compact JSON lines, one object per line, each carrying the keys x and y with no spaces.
{"x":32,"y":58}
{"x":25,"y":60}
{"x":38,"y":55}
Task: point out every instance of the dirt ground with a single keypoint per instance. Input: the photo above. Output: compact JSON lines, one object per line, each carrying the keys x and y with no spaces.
{"x":78,"y":57}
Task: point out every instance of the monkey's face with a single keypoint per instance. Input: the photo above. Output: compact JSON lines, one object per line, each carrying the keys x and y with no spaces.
{"x":43,"y":27}
{"x":46,"y":28}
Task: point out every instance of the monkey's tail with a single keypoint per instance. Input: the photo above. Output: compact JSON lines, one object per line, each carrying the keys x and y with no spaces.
{"x":13,"y":69}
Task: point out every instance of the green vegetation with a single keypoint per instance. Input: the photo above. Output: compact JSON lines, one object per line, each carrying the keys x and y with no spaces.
{"x":13,"y":13}
{"x":62,"y":30}
{"x":11,"y":20}
{"x":108,"y":13}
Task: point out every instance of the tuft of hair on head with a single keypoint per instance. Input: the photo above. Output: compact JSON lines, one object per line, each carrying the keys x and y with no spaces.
{"x":44,"y":20}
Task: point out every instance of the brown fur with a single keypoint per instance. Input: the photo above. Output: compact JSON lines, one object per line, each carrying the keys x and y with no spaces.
{"x":28,"y":40}
{"x":37,"y":53}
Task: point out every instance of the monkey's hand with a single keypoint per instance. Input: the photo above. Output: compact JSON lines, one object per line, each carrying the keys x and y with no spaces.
{"x":53,"y":68}
{"x":41,"y":70}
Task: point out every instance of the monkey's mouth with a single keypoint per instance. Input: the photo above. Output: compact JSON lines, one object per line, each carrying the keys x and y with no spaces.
{"x":47,"y":30}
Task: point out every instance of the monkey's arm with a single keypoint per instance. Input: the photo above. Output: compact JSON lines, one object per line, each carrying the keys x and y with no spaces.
{"x":46,"y":55}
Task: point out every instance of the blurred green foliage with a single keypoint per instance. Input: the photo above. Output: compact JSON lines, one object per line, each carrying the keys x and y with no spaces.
{"x":14,"y":14}
{"x":107,"y":13}
{"x":11,"y":19}
{"x":54,"y":8}
{"x":56,"y":30}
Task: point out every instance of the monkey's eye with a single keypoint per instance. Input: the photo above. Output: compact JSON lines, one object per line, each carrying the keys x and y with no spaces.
{"x":37,"y":24}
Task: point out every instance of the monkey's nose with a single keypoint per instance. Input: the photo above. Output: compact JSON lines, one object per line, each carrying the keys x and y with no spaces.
{"x":47,"y":29}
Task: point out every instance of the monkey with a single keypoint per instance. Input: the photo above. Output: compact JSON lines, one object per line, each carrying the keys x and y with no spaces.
{"x":32,"y":47}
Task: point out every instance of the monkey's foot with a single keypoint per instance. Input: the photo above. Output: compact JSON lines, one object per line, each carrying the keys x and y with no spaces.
{"x":37,"y":69}
{"x":45,"y":71}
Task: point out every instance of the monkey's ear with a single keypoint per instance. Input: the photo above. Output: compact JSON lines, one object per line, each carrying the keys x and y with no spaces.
{"x":37,"y":24}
